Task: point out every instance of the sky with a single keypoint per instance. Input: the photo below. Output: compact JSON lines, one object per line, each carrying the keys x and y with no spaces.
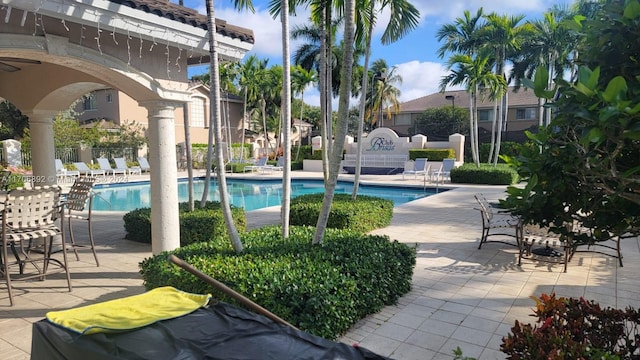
{"x":415,"y":55}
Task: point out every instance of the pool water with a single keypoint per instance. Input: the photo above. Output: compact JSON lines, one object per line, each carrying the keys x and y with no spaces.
{"x":250,"y":194}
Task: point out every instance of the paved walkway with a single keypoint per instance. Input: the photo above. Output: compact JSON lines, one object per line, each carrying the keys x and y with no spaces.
{"x":461,"y":297}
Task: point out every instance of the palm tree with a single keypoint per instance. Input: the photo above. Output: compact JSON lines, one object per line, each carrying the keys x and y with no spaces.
{"x":461,"y":37}
{"x":551,"y":45}
{"x":404,"y":17}
{"x":252,"y":72}
{"x":504,"y":37}
{"x":384,"y":94}
{"x":475,"y":74}
{"x":216,"y":133}
{"x":341,"y":128}
{"x":300,"y":79}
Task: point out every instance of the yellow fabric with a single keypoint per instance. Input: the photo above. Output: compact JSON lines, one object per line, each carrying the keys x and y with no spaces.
{"x":130,"y":312}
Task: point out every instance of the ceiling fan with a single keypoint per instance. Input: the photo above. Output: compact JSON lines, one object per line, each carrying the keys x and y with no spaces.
{"x":6,"y":63}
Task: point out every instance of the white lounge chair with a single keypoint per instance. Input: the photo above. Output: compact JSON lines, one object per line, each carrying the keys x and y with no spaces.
{"x":259,"y":166}
{"x":121,"y":163}
{"x":420,"y":167}
{"x":144,"y":164}
{"x":445,"y":170}
{"x":85,"y":170}
{"x":62,"y":172}
{"x":106,"y":166}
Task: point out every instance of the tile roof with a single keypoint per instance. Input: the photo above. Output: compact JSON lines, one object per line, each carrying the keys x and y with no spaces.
{"x":188,"y":16}
{"x":519,"y":98}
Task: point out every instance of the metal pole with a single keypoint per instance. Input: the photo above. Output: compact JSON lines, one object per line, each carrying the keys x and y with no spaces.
{"x":228,"y":291}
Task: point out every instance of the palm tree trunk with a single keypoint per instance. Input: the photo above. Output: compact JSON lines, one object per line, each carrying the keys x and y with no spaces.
{"x":493,"y":130}
{"x":505,"y":105}
{"x":343,"y":111}
{"x":215,"y":130}
{"x":286,"y":123}
{"x":363,"y":101}
{"x":187,"y":144}
{"x":323,"y":98}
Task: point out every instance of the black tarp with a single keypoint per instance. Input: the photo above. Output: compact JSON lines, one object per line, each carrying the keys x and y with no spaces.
{"x":220,"y":331}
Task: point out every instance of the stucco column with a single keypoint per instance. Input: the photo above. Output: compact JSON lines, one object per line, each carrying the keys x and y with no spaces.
{"x":165,"y":226}
{"x":42,"y":147}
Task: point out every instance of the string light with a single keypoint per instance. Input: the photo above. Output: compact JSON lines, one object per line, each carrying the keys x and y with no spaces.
{"x":97,"y":38}
{"x":128,"y":48}
{"x":168,"y":61}
{"x":178,"y":59}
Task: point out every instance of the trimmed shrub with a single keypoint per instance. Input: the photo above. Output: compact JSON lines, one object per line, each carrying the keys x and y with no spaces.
{"x":574,"y":329}
{"x":201,"y":224}
{"x":364,"y":214}
{"x":485,"y":174}
{"x":323,"y":289}
{"x":432,"y":154}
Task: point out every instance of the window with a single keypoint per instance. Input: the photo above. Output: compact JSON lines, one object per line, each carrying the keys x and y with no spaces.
{"x":89,"y":102}
{"x":485,"y":115}
{"x":526,"y":114}
{"x":197,"y":112}
{"x":109,"y":97}
{"x":402,"y":119}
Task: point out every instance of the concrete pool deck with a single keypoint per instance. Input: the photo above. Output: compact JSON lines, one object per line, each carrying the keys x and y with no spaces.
{"x":461,"y":296}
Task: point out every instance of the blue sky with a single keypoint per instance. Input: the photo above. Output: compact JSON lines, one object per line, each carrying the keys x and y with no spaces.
{"x":415,"y":56}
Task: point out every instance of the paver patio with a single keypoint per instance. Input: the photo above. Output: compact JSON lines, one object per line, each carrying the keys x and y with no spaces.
{"x":461,"y":296}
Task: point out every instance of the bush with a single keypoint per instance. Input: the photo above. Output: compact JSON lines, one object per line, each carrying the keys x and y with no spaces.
{"x":574,"y":329}
{"x":486,"y":174}
{"x":323,"y":289}
{"x":364,"y":214}
{"x":195,"y":226}
{"x":432,"y":154}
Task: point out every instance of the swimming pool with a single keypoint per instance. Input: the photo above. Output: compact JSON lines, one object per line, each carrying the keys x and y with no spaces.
{"x":250,"y":194}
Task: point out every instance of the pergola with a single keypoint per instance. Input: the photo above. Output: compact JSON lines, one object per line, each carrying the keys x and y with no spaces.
{"x":54,"y":51}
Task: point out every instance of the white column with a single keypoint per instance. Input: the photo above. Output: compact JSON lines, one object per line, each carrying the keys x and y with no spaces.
{"x":165,"y":226}
{"x":42,"y":147}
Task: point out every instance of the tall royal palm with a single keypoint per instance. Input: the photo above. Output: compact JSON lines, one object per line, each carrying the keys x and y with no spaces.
{"x":343,"y":120}
{"x":383,"y":94}
{"x":301,"y":78}
{"x":476,"y":76}
{"x":503,"y":36}
{"x":215,"y":132}
{"x":551,"y":45}
{"x":404,"y":18}
{"x":461,"y":37}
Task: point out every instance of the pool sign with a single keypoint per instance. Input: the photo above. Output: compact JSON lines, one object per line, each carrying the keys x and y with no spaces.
{"x":384,"y":141}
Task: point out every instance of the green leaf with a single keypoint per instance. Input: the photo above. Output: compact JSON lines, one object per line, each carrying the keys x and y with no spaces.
{"x":540,"y":82}
{"x":616,"y":87}
{"x":631,"y":10}
{"x":595,"y":135}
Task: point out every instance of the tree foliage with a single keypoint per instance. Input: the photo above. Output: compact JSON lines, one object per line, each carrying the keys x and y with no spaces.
{"x":12,"y":122}
{"x":587,"y":165}
{"x":438,"y":123}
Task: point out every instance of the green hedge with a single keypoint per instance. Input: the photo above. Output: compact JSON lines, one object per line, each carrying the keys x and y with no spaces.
{"x":323,"y":289}
{"x":195,"y":226}
{"x":487,"y":174}
{"x":364,"y":214}
{"x":432,"y":154}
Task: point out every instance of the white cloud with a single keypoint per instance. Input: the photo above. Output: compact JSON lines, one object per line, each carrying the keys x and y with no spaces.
{"x":419,"y":79}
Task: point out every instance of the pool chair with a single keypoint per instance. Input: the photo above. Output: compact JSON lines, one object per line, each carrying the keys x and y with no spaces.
{"x":79,"y":205}
{"x":445,"y":170}
{"x":106,"y":166}
{"x":259,"y":166}
{"x":63,"y":173}
{"x":121,"y":163}
{"x":144,"y":164}
{"x":497,"y":223}
{"x":85,"y":170}
{"x":420,"y":167}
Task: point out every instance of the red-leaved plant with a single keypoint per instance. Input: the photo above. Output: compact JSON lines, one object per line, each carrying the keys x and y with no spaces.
{"x":568,"y":328}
